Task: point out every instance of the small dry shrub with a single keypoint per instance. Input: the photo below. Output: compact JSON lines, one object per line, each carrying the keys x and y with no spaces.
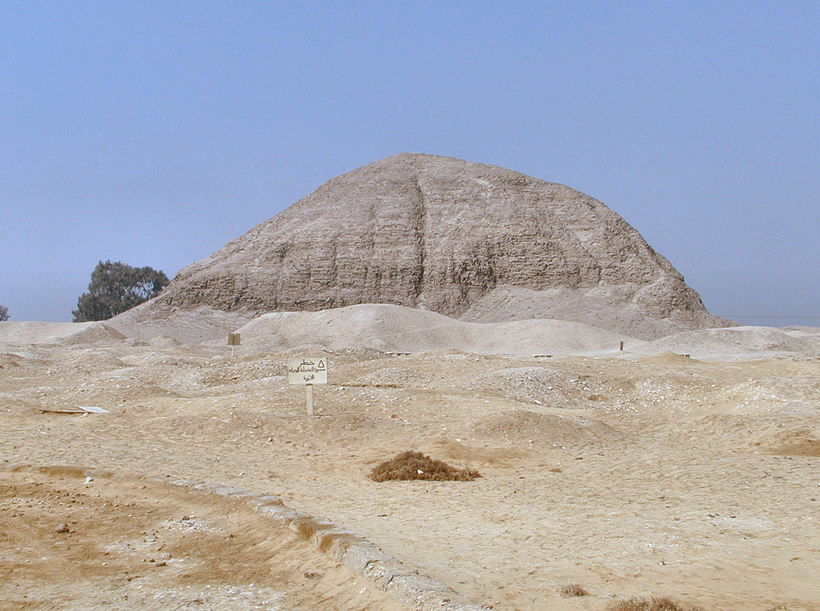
{"x":663,"y":603}
{"x":572,"y":589}
{"x":415,"y":465}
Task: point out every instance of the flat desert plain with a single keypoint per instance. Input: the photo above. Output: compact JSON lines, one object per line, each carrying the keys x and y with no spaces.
{"x":630,"y":475}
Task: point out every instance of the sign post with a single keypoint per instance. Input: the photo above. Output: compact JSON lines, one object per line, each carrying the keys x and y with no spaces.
{"x":307,"y":372}
{"x":309,"y":398}
{"x":234,"y":339}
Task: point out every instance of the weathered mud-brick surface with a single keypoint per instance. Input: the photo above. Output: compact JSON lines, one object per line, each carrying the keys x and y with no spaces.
{"x":464,"y":239}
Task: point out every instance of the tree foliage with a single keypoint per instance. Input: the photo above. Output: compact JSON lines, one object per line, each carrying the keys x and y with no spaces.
{"x":117,"y":287}
{"x":4,"y":313}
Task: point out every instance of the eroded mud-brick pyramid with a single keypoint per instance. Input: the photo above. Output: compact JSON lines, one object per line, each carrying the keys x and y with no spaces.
{"x":468,"y":240}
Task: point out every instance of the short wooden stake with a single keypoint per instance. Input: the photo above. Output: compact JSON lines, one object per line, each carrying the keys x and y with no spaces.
{"x":309,"y":398}
{"x":622,"y":346}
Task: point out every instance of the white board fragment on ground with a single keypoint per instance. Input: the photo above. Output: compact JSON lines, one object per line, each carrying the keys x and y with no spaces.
{"x":93,"y":409}
{"x":80,"y":409}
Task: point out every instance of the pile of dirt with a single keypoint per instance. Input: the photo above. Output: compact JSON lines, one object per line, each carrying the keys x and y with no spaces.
{"x":527,"y":428}
{"x":807,"y":334}
{"x":654,"y":603}
{"x":732,"y":342}
{"x":540,"y":385}
{"x":8,"y":360}
{"x":412,"y":465}
{"x":158,"y":324}
{"x":799,"y":442}
{"x":64,"y":333}
{"x":392,"y":328}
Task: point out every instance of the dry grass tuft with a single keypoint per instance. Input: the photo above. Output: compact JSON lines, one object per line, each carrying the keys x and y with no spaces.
{"x":571,"y":590}
{"x":415,"y":465}
{"x":650,"y":604}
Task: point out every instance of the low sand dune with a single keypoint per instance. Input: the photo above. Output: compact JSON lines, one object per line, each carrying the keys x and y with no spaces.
{"x":390,"y":328}
{"x":734,"y":342}
{"x":23,"y":333}
{"x":807,"y":334}
{"x":145,"y":323}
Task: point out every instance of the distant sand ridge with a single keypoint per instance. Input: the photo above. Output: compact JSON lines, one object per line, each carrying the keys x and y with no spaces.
{"x":389,"y":328}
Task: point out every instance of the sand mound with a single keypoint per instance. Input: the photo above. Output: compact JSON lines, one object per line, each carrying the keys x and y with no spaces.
{"x":799,"y":442}
{"x":8,"y":361}
{"x":653,"y":603}
{"x":64,"y":333}
{"x":157,"y":325}
{"x":802,"y":447}
{"x":392,"y":328}
{"x":611,"y":306}
{"x":535,"y":429}
{"x":732,"y":342}
{"x":540,"y":385}
{"x":810,"y":335}
{"x":801,"y":331}
{"x":670,"y":358}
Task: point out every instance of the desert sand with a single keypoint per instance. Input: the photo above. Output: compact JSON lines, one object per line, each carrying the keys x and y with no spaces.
{"x":631,"y":473}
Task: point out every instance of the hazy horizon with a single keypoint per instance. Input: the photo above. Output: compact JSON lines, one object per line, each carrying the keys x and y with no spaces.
{"x":155,"y":133}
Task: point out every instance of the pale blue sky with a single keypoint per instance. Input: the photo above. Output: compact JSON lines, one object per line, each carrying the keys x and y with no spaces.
{"x":155,"y":132}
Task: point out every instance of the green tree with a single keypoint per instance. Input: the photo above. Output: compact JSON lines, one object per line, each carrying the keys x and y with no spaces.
{"x":4,"y":313}
{"x":117,"y":287}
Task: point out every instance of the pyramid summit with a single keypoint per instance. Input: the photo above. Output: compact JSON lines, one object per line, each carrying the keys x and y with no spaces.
{"x":464,"y":239}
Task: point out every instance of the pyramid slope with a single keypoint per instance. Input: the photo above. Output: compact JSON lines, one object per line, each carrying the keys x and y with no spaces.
{"x":451,"y":236}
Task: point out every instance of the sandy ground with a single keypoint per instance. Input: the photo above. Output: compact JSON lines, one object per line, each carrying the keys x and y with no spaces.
{"x":113,"y":542}
{"x":630,"y":476}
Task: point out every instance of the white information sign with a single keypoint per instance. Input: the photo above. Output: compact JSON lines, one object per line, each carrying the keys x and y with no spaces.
{"x":307,"y":371}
